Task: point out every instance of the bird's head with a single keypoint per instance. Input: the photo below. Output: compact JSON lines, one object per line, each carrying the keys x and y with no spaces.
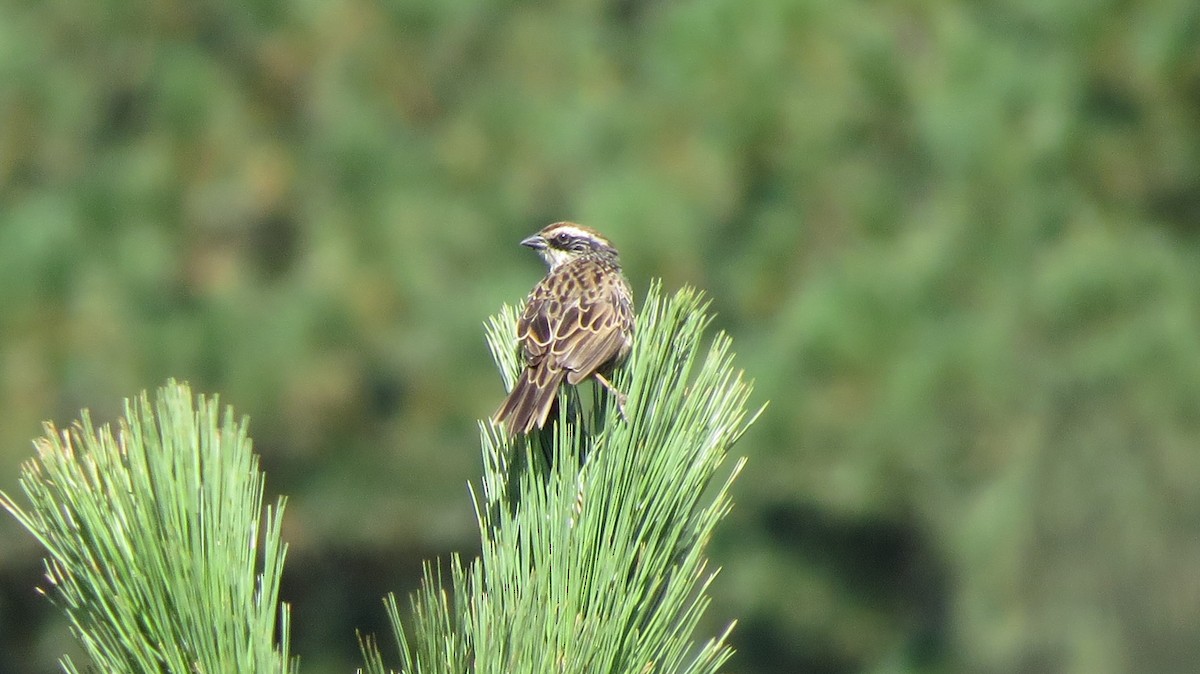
{"x":562,"y":242}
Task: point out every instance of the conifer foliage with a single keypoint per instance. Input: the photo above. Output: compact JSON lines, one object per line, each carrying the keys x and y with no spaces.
{"x":164,"y":558}
{"x":594,"y":531}
{"x":159,"y":549}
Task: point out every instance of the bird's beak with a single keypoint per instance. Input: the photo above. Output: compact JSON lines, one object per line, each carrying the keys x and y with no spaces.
{"x":535,"y":242}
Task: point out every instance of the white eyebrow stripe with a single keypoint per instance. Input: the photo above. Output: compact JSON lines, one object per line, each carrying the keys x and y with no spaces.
{"x":575,"y":232}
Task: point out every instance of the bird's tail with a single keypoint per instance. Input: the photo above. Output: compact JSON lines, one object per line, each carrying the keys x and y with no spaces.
{"x":529,"y":403}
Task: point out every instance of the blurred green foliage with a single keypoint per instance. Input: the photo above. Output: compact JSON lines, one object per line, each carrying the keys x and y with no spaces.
{"x":956,"y":244}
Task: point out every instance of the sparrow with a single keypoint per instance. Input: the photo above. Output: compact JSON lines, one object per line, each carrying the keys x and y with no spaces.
{"x":577,"y":323}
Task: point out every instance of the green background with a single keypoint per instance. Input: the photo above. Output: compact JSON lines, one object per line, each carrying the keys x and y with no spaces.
{"x":956,"y":244}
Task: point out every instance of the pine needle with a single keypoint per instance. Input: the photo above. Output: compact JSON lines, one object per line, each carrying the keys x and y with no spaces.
{"x":160,"y":550}
{"x":594,"y":531}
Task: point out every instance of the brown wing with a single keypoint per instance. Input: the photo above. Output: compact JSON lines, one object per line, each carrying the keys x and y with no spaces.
{"x":582,"y":322}
{"x":593,"y":333}
{"x":575,"y":321}
{"x":532,"y":397}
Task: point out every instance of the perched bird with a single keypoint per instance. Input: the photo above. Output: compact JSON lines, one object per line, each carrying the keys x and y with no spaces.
{"x":577,"y":323}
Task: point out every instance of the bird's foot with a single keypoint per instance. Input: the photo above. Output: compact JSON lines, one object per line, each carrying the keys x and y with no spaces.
{"x":621,"y":397}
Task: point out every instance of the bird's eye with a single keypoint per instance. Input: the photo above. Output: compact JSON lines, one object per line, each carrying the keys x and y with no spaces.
{"x":562,"y":238}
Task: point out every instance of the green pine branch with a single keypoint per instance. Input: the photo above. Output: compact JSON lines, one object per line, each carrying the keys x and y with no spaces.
{"x":162,"y":555}
{"x":594,"y":532}
{"x":159,"y":548}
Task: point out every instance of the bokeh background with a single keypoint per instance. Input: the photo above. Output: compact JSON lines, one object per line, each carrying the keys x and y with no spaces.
{"x":956,"y":243}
